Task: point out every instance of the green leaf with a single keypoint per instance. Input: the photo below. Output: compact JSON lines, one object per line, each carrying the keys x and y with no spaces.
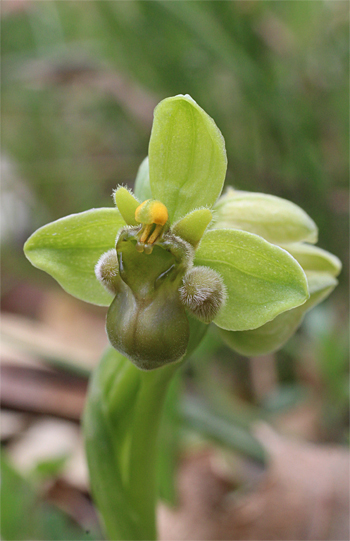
{"x":142,"y":186}
{"x":312,"y":258}
{"x":192,"y":226}
{"x":68,"y":249}
{"x":187,"y":157}
{"x":262,"y":280}
{"x":200,"y":418}
{"x":127,"y":204}
{"x":52,"y":467}
{"x":274,"y":334}
{"x":277,"y":220}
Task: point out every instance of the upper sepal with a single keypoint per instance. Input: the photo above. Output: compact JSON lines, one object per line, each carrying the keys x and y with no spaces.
{"x":187,"y":157}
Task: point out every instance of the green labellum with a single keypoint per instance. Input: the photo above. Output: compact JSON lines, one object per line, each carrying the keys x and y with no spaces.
{"x":146,"y":321}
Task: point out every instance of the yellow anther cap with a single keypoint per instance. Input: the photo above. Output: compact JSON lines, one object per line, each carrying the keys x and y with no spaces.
{"x":151,"y":212}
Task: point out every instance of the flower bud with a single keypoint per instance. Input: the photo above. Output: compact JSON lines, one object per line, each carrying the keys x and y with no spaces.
{"x":275,"y":219}
{"x":107,"y":271}
{"x":203,"y":293}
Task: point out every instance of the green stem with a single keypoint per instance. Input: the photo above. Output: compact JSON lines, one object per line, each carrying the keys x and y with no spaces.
{"x":105,"y":432}
{"x":121,"y":425}
{"x":143,"y":450}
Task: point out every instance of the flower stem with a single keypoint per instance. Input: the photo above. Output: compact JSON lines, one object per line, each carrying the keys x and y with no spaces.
{"x":121,"y":425}
{"x":143,"y":448}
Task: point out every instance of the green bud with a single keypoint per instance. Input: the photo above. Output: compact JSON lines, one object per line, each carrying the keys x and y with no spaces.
{"x":107,"y":271}
{"x":203,"y":293}
{"x":313,"y":258}
{"x":275,"y":219}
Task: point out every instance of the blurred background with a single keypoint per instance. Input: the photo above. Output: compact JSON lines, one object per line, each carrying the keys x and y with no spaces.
{"x":80,"y":80}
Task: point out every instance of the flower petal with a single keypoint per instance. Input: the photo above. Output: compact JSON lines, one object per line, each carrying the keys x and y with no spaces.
{"x":126,"y":204}
{"x":191,"y":227}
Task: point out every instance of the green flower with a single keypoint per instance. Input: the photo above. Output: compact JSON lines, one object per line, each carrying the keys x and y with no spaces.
{"x":166,"y":268}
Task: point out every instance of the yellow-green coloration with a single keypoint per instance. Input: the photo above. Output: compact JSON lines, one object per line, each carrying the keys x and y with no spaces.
{"x":275,"y":219}
{"x":274,"y":334}
{"x":191,"y":227}
{"x":313,"y":258}
{"x":153,"y":215}
{"x":187,"y":157}
{"x":127,"y":204}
